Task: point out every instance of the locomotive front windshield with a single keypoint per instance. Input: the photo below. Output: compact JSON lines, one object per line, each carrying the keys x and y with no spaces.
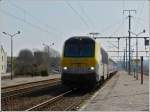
{"x":79,"y":48}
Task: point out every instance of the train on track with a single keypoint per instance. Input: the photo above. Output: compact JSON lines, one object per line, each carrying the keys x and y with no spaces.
{"x":85,"y":62}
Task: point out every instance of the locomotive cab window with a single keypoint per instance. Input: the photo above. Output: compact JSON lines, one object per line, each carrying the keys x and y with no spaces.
{"x":79,"y":48}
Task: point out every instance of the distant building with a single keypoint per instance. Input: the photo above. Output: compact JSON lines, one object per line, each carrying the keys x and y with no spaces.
{"x":3,"y":60}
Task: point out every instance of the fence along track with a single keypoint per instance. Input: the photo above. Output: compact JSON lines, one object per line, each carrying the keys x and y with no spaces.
{"x":28,"y":87}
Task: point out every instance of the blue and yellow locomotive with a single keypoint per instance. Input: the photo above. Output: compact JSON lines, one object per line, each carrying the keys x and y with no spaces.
{"x":84,"y":61}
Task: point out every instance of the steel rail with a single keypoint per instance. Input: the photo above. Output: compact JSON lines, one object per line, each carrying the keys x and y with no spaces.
{"x":70,"y":107}
{"x":25,"y":86}
{"x":28,"y":83}
{"x":29,"y":89}
{"x":39,"y":106}
{"x":52,"y":100}
{"x":74,"y":105}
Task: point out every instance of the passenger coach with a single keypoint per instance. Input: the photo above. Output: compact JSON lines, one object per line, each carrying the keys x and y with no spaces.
{"x":84,"y":61}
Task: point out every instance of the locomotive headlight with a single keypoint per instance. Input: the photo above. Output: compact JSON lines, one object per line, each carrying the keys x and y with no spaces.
{"x":65,"y":68}
{"x":91,"y":68}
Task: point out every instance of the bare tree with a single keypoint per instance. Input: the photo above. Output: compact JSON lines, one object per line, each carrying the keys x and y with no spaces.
{"x":53,"y":59}
{"x":41,"y":58}
{"x":24,"y":63}
{"x":37,"y":63}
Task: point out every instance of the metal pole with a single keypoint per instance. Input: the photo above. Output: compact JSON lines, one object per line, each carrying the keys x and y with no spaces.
{"x":129,"y":36}
{"x":126,"y":56}
{"x":48,"y":60}
{"x":11,"y":57}
{"x":136,"y":58}
{"x":137,"y":51}
{"x":129,"y":42}
{"x":134,"y":72}
{"x":11,"y":36}
{"x":48,"y":52}
{"x":124,"y":59}
{"x":141,"y":69}
{"x":118,"y":46}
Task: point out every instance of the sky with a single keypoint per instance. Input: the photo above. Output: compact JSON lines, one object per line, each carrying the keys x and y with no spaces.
{"x":54,"y":21}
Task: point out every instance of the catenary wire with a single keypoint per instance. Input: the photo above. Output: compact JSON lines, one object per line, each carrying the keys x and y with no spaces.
{"x":76,"y":12}
{"x":22,"y":20}
{"x":35,"y":18}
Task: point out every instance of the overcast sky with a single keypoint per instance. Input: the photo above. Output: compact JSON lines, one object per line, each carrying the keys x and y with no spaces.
{"x":47,"y":21}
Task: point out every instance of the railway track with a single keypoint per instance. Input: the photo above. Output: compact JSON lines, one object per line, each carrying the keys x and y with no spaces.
{"x":26,"y":88}
{"x":63,"y":101}
{"x":48,"y":102}
{"x":56,"y":99}
{"x":66,"y":101}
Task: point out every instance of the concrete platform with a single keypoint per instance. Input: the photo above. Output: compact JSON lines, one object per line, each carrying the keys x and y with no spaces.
{"x":20,"y":80}
{"x":122,"y":93}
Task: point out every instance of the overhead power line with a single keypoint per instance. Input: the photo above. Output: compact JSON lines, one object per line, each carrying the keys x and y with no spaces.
{"x":85,"y":14}
{"x":141,"y":22}
{"x":22,"y":20}
{"x":35,"y":18}
{"x":139,"y":12}
{"x":107,"y":28}
{"x":118,"y":28}
{"x":75,"y":11}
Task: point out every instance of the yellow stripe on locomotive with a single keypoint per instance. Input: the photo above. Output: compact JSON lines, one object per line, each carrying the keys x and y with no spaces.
{"x":82,"y":61}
